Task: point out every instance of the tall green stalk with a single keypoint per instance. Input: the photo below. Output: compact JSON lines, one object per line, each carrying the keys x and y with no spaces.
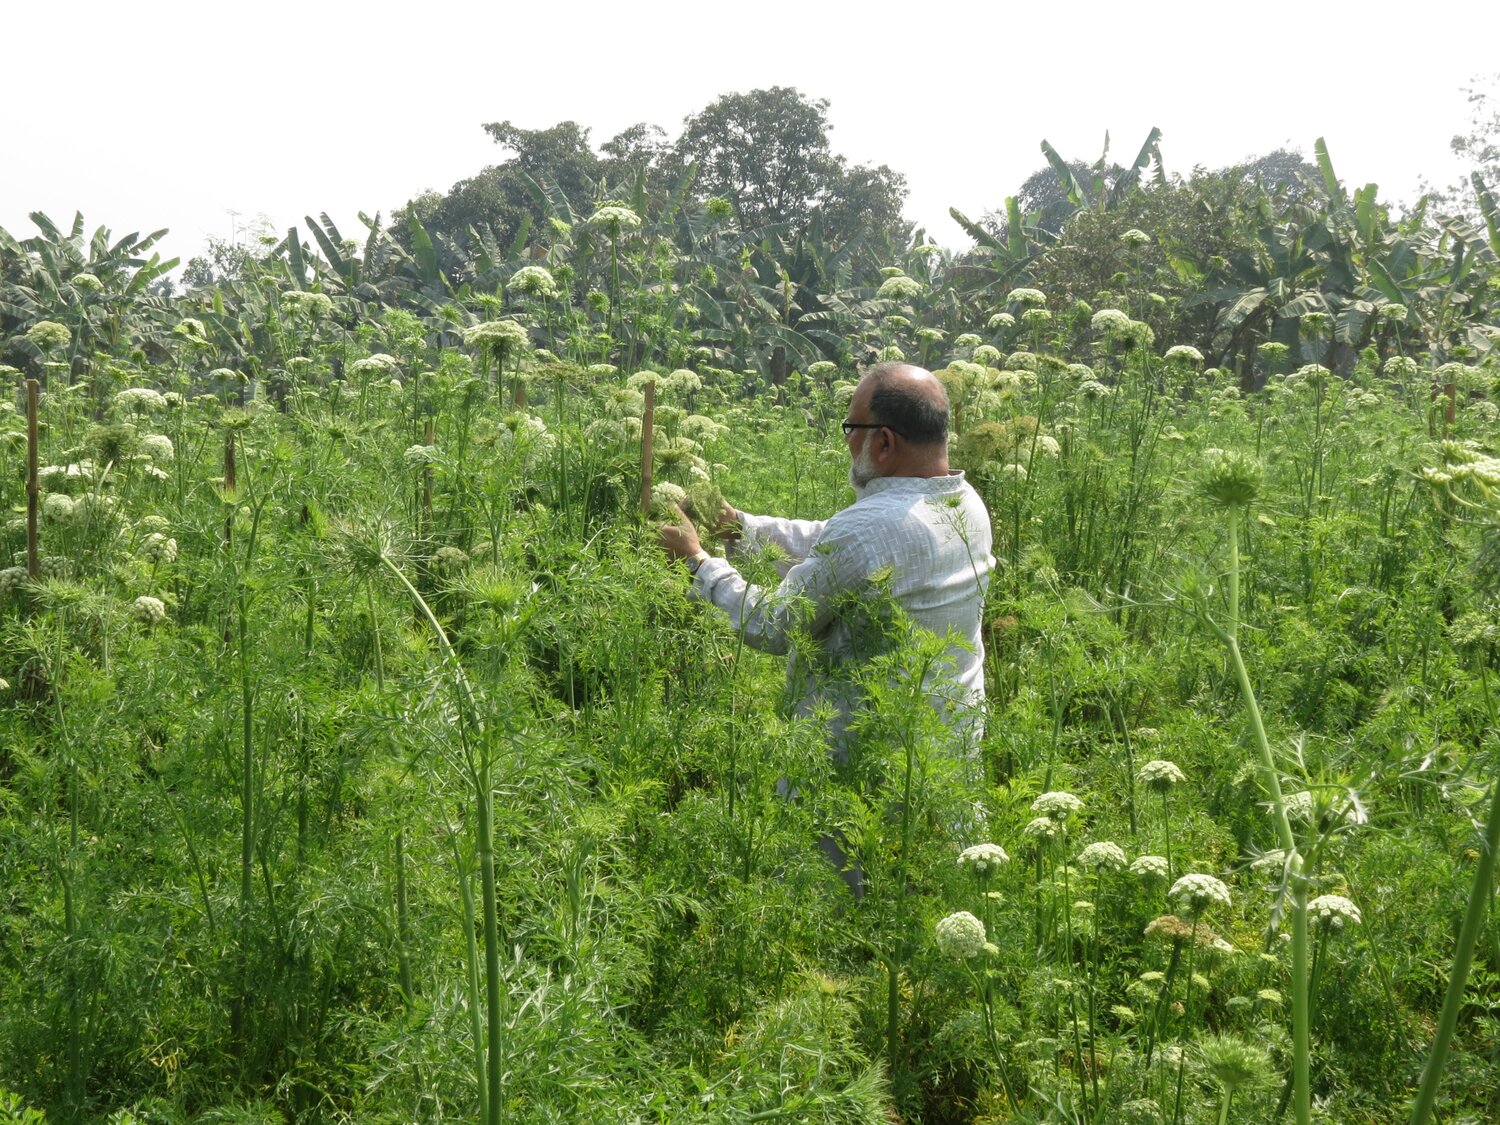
{"x":478,"y":765}
{"x":1480,"y":893}
{"x":1228,"y":634}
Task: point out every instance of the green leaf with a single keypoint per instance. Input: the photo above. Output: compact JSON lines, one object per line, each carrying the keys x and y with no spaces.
{"x":1488,"y":210}
{"x":1065,"y":177}
{"x":425,"y":252}
{"x":977,"y":232}
{"x":1325,"y":166}
{"x":1366,"y":214}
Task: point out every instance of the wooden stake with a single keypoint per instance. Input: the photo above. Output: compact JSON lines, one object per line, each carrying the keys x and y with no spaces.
{"x":648,"y":423}
{"x":33,"y":490}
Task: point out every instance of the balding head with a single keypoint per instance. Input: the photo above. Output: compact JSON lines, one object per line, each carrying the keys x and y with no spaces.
{"x":908,"y":399}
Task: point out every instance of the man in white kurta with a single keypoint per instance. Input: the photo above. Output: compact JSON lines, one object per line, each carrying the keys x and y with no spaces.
{"x":918,"y":529}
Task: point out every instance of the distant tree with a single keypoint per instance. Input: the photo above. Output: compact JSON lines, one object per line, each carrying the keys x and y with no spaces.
{"x":640,"y":151}
{"x":768,"y":153}
{"x":1478,"y":150}
{"x":222,"y":260}
{"x":868,"y":201}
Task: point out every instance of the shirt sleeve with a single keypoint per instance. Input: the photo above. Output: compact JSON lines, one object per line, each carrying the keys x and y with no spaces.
{"x":795,"y":537}
{"x":768,"y":618}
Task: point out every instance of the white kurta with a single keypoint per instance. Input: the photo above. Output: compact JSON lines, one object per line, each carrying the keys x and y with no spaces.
{"x":929,"y":535}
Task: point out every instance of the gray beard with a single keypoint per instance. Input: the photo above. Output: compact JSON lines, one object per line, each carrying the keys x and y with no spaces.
{"x":862,"y":470}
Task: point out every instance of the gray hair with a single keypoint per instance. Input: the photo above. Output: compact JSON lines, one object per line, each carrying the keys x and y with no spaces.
{"x":921,"y":418}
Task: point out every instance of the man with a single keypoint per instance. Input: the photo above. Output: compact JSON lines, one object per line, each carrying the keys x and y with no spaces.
{"x":913,"y":525}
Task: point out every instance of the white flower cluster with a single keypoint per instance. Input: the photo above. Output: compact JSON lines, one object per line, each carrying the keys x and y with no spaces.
{"x":1161,"y":774}
{"x":1057,"y":805}
{"x":536,"y":280}
{"x":58,"y":508}
{"x":1334,"y":910}
{"x":1102,"y":856}
{"x":48,"y":334}
{"x":372,"y":366}
{"x":986,"y":355}
{"x":159,"y":549}
{"x":314,"y":305}
{"x":1184,"y":353}
{"x":148,"y":610}
{"x":702,"y":428}
{"x":665,"y":496}
{"x":1150,"y":867}
{"x":496,"y":336}
{"x":1199,"y":891}
{"x":960,"y":936}
{"x":158,"y":447}
{"x":983,"y":859}
{"x":1045,"y":828}
{"x":615,"y":217}
{"x":1135,"y":237}
{"x":899,"y":288}
{"x":139,"y":400}
{"x":1111,"y":323}
{"x":1030,"y":297}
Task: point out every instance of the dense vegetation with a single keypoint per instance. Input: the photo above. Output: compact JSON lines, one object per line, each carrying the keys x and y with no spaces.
{"x":362,"y":759}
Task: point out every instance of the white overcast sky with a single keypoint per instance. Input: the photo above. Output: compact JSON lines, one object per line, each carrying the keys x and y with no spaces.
{"x":151,"y":113}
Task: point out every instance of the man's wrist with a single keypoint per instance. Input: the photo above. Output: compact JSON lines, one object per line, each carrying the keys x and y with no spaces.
{"x":697,"y":559}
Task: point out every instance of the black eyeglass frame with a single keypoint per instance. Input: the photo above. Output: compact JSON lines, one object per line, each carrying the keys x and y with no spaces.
{"x":850,"y":427}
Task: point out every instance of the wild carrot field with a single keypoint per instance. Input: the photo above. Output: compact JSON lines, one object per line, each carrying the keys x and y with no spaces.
{"x":363,"y":759}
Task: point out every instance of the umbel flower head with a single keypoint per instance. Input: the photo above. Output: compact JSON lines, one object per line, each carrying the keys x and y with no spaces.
{"x":1333,"y":911}
{"x":960,"y":936}
{"x":1057,"y":805}
{"x":536,"y":280}
{"x":1161,"y":775}
{"x":1045,"y":828}
{"x":1197,"y":892}
{"x":1231,"y":480}
{"x":1235,"y":1063}
{"x":1150,"y":867}
{"x":496,"y":337}
{"x":148,"y":610}
{"x":983,"y":859}
{"x":48,"y":334}
{"x":1102,"y":856}
{"x":900,"y":288}
{"x":616,"y":218}
{"x":1185,"y":354}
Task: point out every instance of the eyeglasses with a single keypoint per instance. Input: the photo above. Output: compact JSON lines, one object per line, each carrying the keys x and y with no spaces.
{"x":850,"y":427}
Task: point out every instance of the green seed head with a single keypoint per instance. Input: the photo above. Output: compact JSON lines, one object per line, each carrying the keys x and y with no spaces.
{"x":1232,"y":480}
